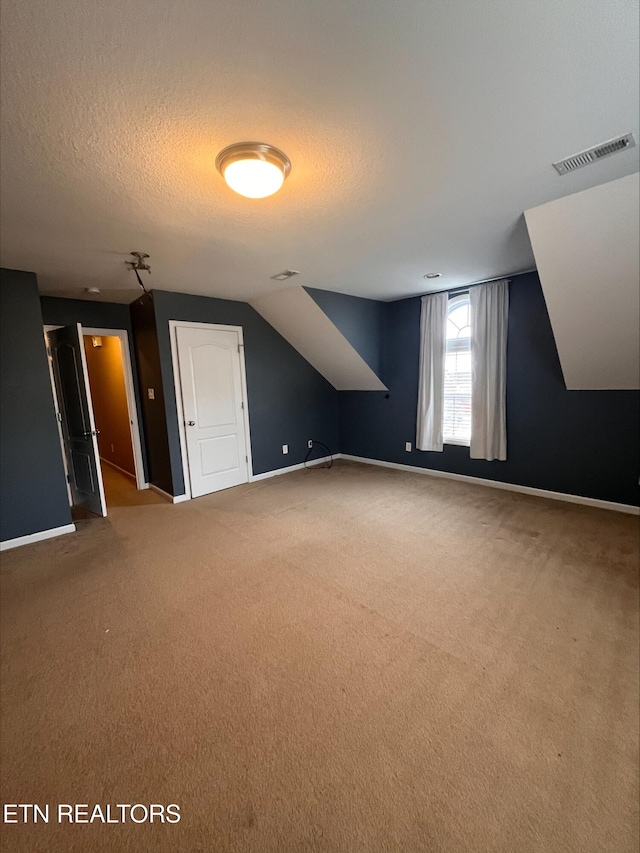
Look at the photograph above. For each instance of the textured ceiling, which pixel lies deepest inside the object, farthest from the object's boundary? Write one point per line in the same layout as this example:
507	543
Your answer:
418	132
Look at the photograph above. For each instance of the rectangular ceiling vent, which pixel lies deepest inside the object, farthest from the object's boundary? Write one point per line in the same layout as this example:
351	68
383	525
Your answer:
283	276
592	155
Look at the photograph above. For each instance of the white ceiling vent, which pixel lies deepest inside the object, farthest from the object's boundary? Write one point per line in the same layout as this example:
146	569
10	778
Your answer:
283	276
592	155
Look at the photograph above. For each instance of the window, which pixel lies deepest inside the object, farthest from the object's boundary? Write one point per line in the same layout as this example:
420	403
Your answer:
457	373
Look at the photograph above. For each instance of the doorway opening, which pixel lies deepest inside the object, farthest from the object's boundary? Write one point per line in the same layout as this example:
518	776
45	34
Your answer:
92	383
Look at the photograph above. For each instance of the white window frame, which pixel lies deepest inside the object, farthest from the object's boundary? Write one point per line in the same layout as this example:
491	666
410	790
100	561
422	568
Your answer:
453	303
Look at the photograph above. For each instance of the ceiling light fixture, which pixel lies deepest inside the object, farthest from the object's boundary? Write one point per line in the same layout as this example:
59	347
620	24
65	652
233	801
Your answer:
432	275
253	169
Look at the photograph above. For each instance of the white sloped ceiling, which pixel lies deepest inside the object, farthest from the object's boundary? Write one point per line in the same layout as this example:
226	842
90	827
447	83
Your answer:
586	248
302	322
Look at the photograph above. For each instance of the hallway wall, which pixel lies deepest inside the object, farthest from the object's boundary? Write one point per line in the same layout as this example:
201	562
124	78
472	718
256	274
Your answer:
109	395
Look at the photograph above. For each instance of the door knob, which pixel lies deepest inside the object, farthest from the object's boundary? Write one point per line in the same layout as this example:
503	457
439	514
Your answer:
191	423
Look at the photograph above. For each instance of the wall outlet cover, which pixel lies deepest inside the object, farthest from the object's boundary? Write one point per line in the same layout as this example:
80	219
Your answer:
310	443
285	449
151	393
407	446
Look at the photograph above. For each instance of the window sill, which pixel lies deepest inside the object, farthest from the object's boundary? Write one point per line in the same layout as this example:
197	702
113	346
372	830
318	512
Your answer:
457	442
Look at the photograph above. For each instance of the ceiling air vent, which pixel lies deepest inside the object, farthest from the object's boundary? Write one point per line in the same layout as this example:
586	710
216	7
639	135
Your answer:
283	276
592	155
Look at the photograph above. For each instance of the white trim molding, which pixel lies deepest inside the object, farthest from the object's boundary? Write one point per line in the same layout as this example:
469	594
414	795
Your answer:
276	472
174	499
496	484
37	537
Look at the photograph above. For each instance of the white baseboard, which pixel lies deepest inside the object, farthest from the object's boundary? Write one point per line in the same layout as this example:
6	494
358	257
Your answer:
278	471
495	484
447	475
174	499
37	537
126	473
118	468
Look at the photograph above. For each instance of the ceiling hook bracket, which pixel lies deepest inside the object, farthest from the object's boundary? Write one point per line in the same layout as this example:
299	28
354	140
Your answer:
139	264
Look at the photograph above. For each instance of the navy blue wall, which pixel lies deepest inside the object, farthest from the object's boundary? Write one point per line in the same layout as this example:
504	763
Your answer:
289	401
33	492
98	315
359	320
101	315
578	442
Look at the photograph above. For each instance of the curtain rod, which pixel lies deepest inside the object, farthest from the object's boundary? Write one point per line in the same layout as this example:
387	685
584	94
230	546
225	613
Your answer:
464	287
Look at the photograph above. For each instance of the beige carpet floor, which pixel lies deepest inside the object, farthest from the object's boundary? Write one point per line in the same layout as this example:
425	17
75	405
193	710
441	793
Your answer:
354	659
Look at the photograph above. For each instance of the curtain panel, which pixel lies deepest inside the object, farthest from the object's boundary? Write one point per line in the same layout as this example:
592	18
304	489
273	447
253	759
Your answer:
489	320
433	321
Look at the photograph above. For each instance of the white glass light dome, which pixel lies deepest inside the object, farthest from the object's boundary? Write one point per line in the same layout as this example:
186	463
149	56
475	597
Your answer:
253	169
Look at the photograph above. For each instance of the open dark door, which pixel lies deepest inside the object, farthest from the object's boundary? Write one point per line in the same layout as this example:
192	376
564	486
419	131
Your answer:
76	418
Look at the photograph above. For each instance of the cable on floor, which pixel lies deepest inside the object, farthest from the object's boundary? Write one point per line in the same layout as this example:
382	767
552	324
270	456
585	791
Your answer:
310	451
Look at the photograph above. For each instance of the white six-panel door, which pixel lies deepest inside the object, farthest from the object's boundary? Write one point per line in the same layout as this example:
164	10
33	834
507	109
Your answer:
212	407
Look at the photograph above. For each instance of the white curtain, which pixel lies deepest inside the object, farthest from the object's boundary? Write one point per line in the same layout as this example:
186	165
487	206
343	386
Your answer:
433	322
489	317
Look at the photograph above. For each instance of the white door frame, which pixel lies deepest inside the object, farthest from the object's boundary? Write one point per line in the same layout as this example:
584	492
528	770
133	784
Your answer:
134	421
173	325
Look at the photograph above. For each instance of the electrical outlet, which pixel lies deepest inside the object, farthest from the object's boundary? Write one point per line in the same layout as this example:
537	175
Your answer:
407	446
151	393
285	449
310	443
113	450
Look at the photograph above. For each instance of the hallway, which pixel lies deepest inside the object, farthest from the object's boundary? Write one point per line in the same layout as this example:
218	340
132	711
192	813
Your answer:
121	491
